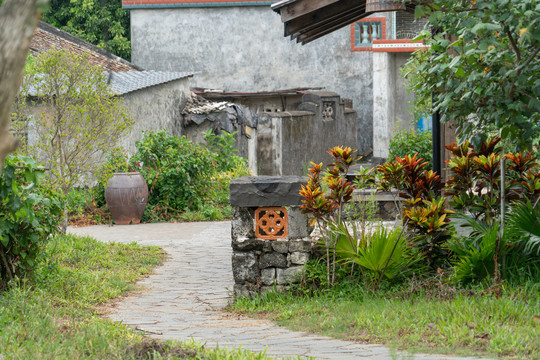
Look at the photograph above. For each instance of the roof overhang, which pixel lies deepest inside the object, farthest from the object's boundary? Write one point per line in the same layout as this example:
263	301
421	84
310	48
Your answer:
308	20
165	4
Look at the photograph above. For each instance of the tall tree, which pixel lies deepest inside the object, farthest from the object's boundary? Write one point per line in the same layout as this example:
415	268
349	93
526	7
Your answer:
483	67
18	19
101	22
75	120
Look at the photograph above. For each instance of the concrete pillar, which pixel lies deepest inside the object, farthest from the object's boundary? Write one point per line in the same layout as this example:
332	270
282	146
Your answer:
277	146
252	151
384	84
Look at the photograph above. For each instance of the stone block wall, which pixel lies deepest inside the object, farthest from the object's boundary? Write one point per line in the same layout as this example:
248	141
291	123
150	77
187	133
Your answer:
258	264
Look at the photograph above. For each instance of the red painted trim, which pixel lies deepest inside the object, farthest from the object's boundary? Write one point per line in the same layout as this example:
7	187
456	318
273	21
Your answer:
397	49
152	2
395	41
368	19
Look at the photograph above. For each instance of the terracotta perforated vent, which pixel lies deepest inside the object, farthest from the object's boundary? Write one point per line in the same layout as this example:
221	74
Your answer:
272	223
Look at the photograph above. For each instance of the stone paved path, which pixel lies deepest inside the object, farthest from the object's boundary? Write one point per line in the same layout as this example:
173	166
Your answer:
184	298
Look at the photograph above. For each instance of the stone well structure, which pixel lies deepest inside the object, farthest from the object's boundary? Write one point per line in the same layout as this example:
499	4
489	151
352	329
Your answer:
270	236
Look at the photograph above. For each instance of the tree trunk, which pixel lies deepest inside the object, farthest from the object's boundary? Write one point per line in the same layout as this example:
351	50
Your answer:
18	20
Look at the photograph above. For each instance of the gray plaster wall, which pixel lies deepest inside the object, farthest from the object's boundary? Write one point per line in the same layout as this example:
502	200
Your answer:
317	136
390	96
243	48
155	108
289	141
403	118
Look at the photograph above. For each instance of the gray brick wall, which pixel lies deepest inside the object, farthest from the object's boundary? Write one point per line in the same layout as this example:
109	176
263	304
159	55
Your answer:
407	27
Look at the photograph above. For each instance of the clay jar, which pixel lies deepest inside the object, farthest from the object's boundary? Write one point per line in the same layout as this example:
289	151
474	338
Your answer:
126	196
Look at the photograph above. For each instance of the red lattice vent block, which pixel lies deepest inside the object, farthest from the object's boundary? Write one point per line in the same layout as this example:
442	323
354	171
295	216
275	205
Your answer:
271	223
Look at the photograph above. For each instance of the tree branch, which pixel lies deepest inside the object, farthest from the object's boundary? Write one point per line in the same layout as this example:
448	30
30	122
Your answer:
531	58
518	60
514	47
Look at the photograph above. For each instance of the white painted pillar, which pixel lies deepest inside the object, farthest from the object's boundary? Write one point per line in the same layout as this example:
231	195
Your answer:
383	101
277	146
252	150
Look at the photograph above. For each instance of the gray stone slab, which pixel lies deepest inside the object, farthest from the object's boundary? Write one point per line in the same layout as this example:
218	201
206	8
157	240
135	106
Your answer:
261	191
273	259
245	267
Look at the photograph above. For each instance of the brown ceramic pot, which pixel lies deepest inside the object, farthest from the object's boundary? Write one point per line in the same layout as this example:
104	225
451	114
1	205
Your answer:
126	195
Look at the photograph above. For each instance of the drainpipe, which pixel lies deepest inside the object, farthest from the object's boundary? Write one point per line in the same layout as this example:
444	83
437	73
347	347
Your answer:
436	134
436	131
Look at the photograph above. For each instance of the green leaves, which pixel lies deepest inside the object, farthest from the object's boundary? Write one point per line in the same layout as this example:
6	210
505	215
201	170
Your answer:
28	216
406	142
475	252
176	170
102	23
525	224
485	27
222	145
483	66
384	252
76	120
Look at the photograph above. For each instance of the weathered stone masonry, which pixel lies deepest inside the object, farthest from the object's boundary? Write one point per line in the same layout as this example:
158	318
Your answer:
261	265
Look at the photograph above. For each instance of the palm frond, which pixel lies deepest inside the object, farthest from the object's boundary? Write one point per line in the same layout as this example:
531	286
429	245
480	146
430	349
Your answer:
524	221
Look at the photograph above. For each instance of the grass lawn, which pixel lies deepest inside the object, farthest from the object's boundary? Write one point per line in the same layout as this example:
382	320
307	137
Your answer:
53	315
433	318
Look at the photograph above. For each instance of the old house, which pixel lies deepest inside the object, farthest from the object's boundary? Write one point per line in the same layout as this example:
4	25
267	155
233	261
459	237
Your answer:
154	99
239	46
279	132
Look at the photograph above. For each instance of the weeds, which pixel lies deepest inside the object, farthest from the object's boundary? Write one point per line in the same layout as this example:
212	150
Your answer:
53	316
419	314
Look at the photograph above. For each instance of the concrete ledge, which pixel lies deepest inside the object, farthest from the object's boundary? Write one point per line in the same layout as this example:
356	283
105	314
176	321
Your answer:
288	114
260	191
364	195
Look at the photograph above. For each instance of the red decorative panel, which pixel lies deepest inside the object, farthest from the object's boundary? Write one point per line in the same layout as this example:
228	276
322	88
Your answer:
271	223
356	36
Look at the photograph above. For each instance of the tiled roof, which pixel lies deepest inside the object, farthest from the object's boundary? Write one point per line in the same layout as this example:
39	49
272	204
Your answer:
47	36
121	83
125	82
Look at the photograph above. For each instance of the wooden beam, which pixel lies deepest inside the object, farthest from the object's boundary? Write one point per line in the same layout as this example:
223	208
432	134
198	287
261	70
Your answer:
326	14
315	34
308	20
311	38
340	21
302	7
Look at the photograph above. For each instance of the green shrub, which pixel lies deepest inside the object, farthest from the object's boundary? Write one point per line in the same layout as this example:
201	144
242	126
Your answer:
475	251
524	221
327	209
219	190
383	252
79	201
176	170
215	206
223	146
424	211
28	216
410	142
